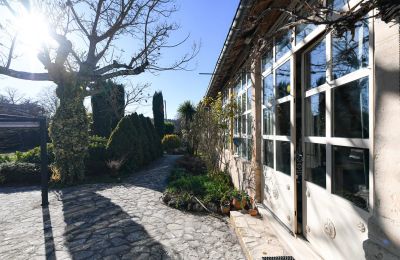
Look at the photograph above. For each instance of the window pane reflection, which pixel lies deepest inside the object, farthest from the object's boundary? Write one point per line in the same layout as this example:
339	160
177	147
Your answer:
268	85
243	124
267	59
316	66
303	30
283	119
249	124
351	174
315	115
269	153
350	52
351	110
249	96
283	80
268	120
283	157
315	164
282	44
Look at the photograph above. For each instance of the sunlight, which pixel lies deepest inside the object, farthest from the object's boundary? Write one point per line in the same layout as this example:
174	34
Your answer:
32	32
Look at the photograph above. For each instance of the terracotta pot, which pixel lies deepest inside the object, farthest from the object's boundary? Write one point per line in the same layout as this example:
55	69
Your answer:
253	212
239	204
225	209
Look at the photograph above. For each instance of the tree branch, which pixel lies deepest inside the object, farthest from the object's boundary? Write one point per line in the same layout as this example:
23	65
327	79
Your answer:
24	75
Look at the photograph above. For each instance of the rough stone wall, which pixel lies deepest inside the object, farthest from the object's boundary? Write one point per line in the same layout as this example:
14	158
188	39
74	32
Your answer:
384	225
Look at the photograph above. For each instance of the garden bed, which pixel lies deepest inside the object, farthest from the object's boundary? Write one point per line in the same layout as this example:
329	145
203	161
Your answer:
192	188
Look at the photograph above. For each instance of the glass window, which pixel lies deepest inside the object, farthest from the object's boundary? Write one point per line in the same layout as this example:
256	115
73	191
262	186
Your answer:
283	80
248	76
351	174
268	120
249	96
303	30
351	110
243	124
315	164
350	52
283	44
337	4
244	103
283	119
267	59
268	89
269	153
244	148
316	66
235	126
315	115
283	157
243	78
249	124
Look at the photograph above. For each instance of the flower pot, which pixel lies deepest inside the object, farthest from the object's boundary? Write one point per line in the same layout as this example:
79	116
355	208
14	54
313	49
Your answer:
225	209
253	212
239	204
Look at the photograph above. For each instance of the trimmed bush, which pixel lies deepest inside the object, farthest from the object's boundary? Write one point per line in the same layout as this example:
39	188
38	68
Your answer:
170	143
95	163
22	173
134	141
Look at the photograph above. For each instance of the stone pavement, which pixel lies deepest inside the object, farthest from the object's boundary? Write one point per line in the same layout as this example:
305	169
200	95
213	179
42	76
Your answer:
256	236
110	221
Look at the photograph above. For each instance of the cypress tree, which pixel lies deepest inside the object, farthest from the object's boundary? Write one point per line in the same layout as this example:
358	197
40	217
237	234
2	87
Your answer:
107	107
158	113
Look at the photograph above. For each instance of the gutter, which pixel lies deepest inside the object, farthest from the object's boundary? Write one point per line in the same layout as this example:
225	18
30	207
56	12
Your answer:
230	38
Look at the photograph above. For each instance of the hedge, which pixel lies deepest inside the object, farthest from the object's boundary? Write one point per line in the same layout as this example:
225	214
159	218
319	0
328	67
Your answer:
134	141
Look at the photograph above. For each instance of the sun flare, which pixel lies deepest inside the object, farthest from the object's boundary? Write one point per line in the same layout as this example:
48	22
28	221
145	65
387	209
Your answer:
32	32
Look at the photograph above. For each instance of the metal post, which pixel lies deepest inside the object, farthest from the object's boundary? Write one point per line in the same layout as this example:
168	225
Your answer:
43	162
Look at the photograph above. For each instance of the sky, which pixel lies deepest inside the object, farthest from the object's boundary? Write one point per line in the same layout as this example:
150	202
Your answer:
207	22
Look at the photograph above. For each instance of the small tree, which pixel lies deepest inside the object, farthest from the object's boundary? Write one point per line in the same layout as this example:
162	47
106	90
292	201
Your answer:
209	130
186	112
158	113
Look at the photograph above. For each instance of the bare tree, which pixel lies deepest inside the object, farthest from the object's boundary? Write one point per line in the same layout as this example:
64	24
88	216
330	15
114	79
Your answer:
88	33
48	100
13	96
136	95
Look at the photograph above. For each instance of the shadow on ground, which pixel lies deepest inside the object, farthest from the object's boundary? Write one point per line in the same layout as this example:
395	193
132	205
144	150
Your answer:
96	228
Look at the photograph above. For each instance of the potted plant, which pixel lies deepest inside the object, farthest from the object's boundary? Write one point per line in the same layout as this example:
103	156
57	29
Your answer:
225	205
239	199
252	208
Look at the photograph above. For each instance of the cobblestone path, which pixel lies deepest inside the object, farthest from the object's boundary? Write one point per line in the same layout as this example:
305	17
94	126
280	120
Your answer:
110	221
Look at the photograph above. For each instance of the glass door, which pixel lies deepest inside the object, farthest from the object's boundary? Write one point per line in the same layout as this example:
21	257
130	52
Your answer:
336	103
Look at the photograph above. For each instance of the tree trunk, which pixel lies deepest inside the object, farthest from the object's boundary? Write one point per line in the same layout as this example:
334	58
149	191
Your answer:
69	133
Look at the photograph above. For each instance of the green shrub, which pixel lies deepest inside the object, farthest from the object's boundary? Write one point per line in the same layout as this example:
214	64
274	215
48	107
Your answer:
156	140
141	136
95	163
5	158
193	165
134	140
171	142
206	187
169	128
33	155
21	173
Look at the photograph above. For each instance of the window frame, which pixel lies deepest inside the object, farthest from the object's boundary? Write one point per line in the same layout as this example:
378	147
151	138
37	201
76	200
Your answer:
328	88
